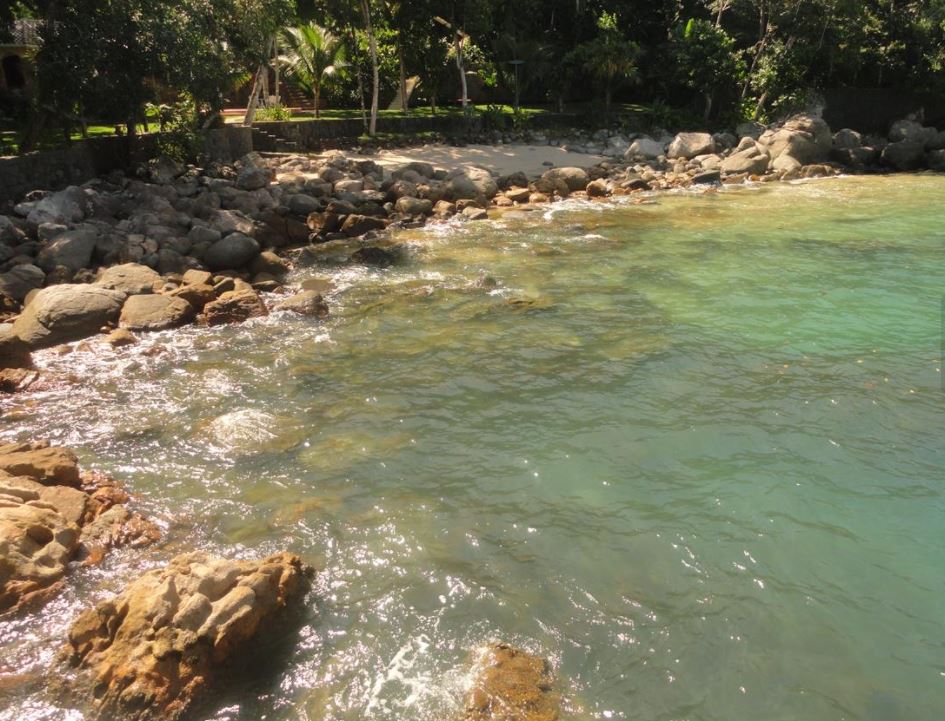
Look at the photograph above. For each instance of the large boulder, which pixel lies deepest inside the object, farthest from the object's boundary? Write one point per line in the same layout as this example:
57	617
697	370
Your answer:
71	248
234	306
752	160
910	131
129	278
64	313
847	139
254	177
904	155
511	685
155	312
689	145
574	178
17	282
470	183
158	648
233	251
62	208
805	138
644	148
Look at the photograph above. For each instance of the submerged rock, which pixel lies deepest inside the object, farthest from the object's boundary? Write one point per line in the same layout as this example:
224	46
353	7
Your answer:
160	646
307	302
234	306
511	685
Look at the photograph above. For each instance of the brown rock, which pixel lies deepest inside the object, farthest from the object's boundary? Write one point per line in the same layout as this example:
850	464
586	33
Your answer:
38	461
120	338
512	685
197	294
197	277
235	306
518	195
357	225
159	647
14	352
155	312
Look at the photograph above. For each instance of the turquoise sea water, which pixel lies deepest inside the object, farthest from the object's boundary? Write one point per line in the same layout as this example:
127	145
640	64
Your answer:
690	451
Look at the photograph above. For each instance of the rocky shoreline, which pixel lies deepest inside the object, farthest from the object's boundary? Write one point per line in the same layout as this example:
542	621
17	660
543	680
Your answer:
123	256
178	245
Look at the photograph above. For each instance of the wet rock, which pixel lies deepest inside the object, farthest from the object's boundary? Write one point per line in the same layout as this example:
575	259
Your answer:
374	256
357	225
14	352
708	177
158	648
308	302
47	465
120	337
36	545
413	206
234	306
689	145
64	313
511	685
472	212
270	263
598	188
129	278
155	312
233	251
518	195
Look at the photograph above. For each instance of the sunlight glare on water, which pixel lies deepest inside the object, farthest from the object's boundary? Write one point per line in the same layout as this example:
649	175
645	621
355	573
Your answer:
691	452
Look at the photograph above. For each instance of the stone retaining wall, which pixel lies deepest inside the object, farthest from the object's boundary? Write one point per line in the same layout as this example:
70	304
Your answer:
84	160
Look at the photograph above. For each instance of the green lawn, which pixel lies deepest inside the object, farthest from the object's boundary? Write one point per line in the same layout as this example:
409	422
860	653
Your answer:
417	112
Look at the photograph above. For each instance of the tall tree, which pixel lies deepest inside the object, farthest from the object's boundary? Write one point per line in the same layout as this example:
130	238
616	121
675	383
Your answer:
312	54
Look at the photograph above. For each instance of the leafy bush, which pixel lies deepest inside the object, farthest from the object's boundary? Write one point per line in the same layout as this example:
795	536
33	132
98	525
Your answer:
179	138
277	113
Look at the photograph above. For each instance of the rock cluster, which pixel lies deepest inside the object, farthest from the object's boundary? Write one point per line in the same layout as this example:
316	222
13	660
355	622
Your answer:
51	515
511	685
154	651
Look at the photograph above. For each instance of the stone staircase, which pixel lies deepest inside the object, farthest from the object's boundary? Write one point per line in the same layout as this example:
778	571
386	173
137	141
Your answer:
269	140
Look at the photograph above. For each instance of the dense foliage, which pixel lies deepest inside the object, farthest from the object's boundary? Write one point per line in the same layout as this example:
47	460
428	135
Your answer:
717	60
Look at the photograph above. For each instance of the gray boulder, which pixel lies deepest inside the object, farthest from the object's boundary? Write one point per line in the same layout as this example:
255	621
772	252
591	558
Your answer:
233	251
9	232
847	138
644	148
470	182
752	160
910	131
163	171
302	204
72	249
749	130
17	282
689	145
904	155
805	138
413	206
253	177
63	208
64	313
574	178
154	312
130	279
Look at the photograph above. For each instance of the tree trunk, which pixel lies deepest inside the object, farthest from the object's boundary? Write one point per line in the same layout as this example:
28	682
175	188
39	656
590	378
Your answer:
403	74
708	107
317	98
607	97
253	97
372	45
458	43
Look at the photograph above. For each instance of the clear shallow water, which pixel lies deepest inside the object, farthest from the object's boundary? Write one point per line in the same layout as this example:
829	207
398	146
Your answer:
692	452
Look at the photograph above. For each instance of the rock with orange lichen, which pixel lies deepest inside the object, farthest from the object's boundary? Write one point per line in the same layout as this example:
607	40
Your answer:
511	685
158	648
45	525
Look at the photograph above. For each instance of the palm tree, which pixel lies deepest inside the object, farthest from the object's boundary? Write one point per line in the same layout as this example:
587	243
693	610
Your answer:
311	55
